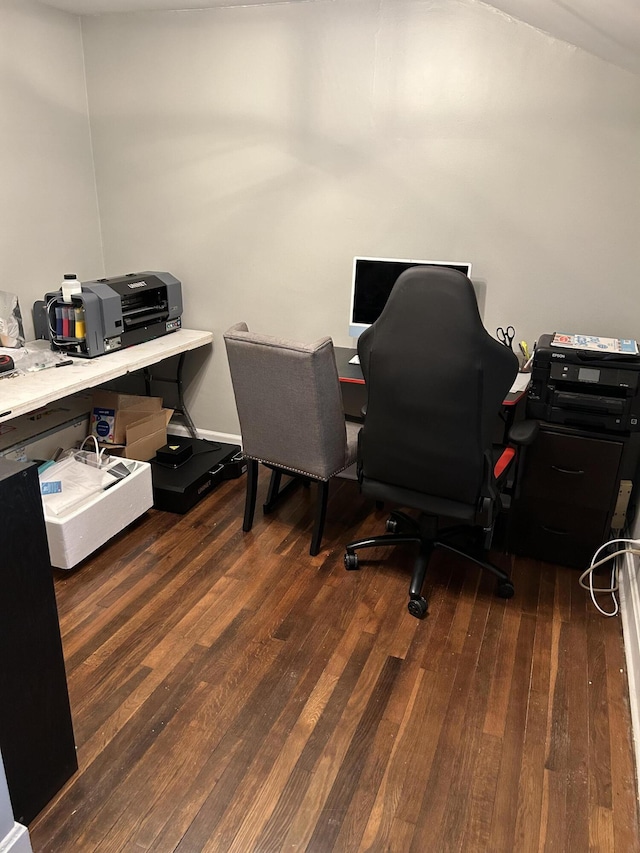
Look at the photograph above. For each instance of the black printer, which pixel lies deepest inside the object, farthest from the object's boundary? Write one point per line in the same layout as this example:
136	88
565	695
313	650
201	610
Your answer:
112	313
585	388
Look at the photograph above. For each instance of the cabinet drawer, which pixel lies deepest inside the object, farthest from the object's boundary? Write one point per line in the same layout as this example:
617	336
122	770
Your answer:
573	469
561	533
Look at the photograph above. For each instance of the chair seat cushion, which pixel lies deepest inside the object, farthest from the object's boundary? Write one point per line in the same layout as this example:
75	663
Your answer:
502	458
418	500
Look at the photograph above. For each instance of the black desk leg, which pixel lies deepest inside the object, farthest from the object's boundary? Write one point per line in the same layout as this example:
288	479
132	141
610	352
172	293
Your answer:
181	408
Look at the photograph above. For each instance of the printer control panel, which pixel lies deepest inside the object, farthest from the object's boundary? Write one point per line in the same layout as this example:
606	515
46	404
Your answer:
594	375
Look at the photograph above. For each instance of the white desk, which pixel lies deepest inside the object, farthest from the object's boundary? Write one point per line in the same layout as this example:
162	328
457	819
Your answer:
20	395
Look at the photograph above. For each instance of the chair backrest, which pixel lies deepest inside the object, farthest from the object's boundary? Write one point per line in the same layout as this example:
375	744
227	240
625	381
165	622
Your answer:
289	402
435	382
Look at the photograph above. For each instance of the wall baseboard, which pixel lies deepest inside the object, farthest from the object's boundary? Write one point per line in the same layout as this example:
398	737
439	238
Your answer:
630	612
16	841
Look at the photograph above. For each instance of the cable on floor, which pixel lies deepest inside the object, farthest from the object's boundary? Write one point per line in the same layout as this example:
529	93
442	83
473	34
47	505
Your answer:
614	585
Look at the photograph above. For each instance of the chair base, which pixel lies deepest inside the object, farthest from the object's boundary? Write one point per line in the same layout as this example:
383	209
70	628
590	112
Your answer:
277	492
403	530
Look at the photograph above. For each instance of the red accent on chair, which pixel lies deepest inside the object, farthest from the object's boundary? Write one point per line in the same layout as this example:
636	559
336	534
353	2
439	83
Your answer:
503	462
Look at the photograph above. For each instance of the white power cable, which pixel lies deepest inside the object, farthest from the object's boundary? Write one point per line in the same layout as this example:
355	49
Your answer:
99	453
595	563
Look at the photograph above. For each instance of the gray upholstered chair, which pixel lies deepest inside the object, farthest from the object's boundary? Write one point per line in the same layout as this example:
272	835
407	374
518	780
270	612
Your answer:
291	417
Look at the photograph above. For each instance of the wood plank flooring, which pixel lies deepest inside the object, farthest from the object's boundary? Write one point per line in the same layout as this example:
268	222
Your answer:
231	693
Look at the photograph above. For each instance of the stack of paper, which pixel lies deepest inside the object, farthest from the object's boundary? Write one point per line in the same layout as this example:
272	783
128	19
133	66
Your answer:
592	342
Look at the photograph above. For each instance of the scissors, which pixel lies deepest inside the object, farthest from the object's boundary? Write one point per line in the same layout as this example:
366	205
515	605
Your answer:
506	336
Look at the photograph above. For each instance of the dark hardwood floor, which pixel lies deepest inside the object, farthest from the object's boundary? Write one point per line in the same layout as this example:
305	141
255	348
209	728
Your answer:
232	693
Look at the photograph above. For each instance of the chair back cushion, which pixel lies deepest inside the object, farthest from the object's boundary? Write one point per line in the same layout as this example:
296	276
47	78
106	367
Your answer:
289	402
435	382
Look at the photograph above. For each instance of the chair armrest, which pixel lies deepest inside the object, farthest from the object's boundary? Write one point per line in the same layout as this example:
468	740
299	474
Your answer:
524	432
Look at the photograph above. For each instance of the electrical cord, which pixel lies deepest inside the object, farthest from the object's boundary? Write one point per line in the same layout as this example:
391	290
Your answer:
99	453
52	331
614	585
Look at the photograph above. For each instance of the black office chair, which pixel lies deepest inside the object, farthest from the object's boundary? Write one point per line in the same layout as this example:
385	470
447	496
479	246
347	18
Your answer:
436	381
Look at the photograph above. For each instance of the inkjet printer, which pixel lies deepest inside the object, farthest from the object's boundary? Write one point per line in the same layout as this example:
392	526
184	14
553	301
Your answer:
585	388
112	313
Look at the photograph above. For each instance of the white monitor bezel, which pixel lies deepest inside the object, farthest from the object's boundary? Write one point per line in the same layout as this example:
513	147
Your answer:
356	329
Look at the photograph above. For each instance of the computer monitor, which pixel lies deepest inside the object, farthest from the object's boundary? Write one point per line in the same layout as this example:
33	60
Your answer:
371	285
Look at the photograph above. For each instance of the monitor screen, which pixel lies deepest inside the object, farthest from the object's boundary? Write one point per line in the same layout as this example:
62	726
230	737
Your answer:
371	285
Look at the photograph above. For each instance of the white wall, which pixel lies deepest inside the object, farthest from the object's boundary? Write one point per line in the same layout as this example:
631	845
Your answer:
6	814
48	215
48	211
14	837
254	151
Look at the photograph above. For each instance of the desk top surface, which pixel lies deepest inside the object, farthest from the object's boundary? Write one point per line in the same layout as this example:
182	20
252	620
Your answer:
352	373
20	395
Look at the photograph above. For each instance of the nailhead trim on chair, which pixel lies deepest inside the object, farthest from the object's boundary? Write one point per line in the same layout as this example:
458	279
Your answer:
297	470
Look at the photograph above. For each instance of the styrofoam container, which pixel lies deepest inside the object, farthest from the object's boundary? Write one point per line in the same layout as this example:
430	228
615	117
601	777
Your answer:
74	536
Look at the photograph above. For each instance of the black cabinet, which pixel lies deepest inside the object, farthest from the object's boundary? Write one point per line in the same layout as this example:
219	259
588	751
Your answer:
568	493
36	734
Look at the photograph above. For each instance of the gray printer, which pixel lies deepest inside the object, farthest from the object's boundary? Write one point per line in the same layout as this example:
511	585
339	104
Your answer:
112	313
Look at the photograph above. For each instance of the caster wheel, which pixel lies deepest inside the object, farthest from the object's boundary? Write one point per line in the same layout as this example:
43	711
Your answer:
505	589
418	607
391	526
351	562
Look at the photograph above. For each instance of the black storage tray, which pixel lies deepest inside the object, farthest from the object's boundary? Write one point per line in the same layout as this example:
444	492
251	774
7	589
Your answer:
179	489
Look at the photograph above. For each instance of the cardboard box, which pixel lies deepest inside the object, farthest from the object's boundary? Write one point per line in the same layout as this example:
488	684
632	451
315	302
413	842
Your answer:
112	412
72	537
130	426
143	437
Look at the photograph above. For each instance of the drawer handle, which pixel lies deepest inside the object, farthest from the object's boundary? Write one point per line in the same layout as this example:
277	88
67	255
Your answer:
554	531
566	470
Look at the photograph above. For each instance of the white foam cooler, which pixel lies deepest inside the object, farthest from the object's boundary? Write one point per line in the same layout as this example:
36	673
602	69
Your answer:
75	535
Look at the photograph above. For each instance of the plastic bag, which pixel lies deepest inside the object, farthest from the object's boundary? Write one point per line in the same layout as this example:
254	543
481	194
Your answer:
78	477
11	331
68	483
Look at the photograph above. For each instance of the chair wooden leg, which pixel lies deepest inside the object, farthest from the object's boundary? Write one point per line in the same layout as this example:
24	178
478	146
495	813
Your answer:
252	491
321	514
